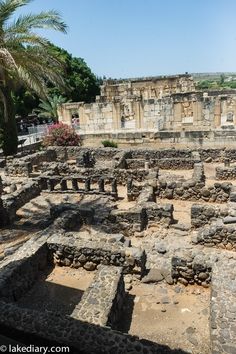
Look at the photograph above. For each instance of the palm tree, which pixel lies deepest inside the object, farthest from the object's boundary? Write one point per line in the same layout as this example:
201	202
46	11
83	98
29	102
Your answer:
49	108
25	58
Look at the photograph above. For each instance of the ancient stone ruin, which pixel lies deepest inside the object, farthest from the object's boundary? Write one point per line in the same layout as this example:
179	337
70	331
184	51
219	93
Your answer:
120	250
155	111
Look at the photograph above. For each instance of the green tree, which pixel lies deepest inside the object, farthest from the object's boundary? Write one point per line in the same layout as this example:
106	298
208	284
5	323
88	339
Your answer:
81	83
25	57
48	108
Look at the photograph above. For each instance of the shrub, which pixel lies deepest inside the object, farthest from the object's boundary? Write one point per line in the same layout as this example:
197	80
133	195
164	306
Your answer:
109	143
61	135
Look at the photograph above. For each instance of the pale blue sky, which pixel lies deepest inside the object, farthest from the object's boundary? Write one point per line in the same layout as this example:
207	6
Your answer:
130	38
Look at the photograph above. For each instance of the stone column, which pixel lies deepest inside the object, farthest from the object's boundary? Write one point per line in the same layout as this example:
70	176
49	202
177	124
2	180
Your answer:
116	115
114	190
75	186
101	185
50	184
137	106
63	184
129	189
87	185
43	183
146	166
217	113
227	162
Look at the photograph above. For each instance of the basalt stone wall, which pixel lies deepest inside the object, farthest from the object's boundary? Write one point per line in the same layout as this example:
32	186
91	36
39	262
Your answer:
192	269
18	276
217	155
75	253
23	166
214	154
102	301
222	236
159	213
224	173
20	197
160	153
204	214
86	338
193	190
165	163
156	213
128	221
121	175
223	308
120	159
19	168
72	152
174	164
212	215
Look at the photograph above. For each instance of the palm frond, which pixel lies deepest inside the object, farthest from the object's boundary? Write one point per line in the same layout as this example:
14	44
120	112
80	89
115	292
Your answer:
8	7
45	19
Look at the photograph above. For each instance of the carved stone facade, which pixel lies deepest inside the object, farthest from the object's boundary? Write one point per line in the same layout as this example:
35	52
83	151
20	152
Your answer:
152	104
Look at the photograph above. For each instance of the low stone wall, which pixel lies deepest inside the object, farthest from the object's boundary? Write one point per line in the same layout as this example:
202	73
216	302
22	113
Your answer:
204	214
159	213
224	173
218	235
215	154
223	309
192	269
72	152
193	190
72	183
86	338
128	221
74	252
160	153
102	301
121	175
19	276
165	164
24	166
14	201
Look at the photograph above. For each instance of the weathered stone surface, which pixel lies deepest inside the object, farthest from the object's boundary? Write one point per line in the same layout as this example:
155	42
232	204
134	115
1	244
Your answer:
103	299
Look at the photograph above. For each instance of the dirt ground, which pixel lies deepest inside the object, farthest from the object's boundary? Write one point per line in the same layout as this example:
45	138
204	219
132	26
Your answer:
58	289
172	315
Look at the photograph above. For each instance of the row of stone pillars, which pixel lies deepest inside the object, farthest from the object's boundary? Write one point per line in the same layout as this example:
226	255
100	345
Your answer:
50	184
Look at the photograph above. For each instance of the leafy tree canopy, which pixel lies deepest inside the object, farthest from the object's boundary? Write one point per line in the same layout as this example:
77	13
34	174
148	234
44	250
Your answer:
80	84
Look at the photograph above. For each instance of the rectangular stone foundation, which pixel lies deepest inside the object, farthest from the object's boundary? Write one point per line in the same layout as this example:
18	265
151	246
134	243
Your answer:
223	308
103	299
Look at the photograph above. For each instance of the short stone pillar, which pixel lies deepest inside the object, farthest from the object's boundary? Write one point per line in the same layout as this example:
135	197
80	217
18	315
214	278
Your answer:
34	168
87	184
63	184
146	165
114	190
227	162
43	183
50	184
129	189
75	186
101	185
129	185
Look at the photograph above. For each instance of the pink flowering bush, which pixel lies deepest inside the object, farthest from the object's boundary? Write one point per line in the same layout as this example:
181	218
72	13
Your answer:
61	135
